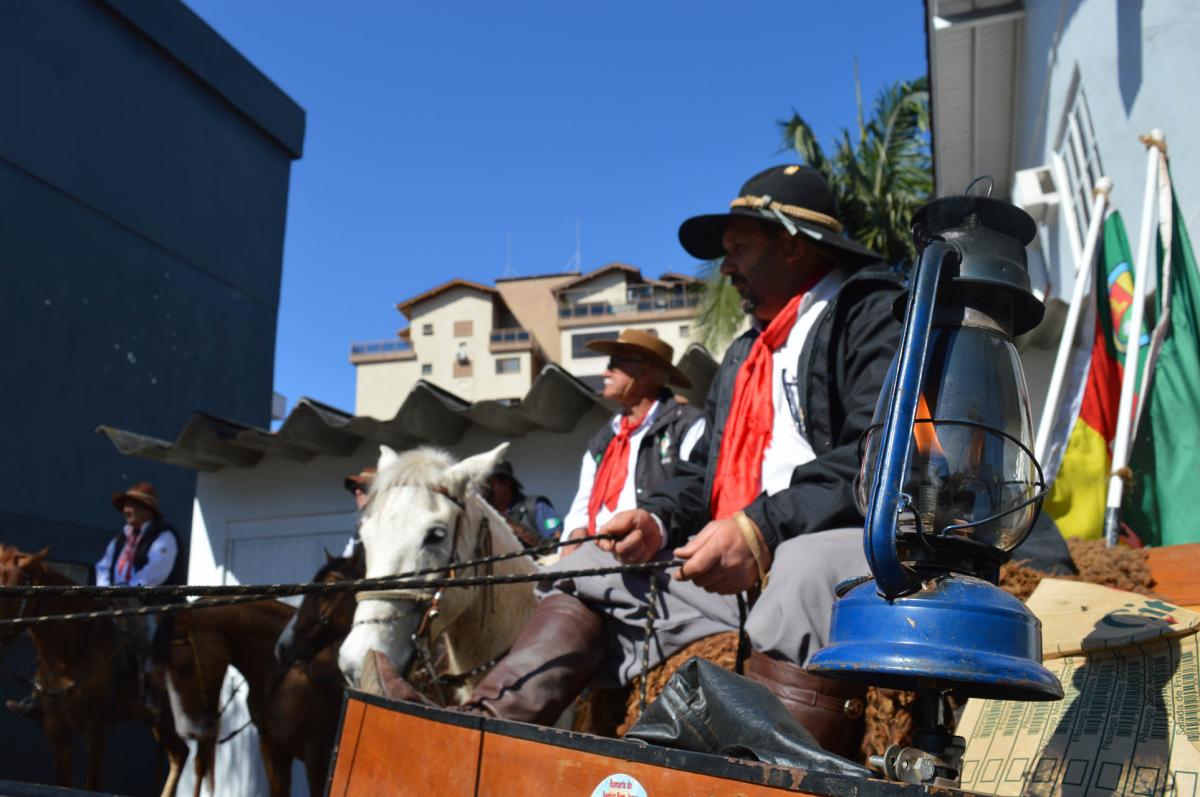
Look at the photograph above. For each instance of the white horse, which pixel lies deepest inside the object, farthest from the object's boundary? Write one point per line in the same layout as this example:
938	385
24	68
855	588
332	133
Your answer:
425	511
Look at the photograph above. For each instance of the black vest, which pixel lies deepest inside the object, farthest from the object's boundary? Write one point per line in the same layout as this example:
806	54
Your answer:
142	552
658	453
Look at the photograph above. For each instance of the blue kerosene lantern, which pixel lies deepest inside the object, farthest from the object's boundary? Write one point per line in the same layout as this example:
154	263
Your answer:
950	487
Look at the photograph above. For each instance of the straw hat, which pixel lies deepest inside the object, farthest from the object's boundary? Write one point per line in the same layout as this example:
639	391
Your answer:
642	345
361	479
142	492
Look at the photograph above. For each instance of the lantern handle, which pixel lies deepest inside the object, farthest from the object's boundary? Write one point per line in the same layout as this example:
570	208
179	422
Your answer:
887	499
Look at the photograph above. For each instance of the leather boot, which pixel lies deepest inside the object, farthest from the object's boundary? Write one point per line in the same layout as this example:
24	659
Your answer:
553	659
830	709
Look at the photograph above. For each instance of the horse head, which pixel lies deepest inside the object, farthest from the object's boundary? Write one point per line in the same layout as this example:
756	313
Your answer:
194	669
323	618
18	568
423	511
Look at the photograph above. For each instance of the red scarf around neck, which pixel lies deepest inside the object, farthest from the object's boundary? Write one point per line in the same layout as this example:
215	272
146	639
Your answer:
738	478
610	476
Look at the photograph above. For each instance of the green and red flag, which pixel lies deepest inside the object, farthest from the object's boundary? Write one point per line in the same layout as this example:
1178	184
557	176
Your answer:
1163	506
1077	496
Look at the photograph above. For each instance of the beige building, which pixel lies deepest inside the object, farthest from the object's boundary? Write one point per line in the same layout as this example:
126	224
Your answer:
484	342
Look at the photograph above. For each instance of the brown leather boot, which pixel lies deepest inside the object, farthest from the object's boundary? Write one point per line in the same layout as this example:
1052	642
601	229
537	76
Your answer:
553	659
831	710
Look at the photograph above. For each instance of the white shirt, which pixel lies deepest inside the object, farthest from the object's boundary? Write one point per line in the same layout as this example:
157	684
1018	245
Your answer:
160	560
788	448
577	516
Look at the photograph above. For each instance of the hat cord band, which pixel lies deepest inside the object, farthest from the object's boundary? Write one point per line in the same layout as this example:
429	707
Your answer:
804	214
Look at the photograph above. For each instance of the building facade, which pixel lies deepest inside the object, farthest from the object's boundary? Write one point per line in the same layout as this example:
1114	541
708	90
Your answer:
484	342
1047	97
144	173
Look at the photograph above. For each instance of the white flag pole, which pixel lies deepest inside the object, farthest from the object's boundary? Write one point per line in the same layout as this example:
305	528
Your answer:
1084	269
1155	143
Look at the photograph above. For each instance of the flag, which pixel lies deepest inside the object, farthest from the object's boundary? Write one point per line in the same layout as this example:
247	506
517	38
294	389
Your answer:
1077	495
1163	505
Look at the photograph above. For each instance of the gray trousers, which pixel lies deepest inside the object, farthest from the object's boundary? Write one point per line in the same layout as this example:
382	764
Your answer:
790	620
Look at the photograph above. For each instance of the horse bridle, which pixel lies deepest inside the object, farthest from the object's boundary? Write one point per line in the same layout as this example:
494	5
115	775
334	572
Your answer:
421	639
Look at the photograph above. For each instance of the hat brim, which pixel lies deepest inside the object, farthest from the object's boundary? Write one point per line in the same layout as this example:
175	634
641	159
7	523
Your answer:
701	237
119	499
675	377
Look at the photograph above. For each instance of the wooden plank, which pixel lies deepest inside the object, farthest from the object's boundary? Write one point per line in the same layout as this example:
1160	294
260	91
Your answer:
519	766
1176	570
347	745
401	754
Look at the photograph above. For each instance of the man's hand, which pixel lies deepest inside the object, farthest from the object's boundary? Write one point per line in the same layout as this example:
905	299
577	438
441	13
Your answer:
641	538
718	559
578	534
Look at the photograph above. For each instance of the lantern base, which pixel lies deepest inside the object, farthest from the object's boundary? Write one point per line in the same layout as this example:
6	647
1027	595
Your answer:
958	633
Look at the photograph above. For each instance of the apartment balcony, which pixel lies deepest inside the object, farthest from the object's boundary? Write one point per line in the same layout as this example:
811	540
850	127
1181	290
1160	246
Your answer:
374	351
640	302
509	339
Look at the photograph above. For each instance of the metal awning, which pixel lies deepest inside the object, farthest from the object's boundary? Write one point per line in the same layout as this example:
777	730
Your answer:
430	415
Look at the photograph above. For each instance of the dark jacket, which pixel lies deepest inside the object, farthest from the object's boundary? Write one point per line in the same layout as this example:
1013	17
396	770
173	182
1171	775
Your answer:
141	553
842	367
537	513
658	455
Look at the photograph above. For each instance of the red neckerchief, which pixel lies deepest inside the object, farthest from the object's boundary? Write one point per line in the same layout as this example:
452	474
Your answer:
738	478
610	476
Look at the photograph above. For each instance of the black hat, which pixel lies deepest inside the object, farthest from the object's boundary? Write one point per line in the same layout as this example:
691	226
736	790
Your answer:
794	197
504	468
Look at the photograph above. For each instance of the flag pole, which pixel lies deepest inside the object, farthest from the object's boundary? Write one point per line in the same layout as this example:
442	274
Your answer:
1084	270
1155	144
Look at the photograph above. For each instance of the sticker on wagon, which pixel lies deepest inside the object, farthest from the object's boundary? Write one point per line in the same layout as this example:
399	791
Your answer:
619	786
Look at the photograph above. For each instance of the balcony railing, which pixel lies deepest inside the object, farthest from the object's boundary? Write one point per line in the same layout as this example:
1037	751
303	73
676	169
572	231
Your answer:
373	347
510	335
638	302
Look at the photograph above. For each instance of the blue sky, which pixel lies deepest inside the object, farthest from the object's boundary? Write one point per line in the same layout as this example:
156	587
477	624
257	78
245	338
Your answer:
437	131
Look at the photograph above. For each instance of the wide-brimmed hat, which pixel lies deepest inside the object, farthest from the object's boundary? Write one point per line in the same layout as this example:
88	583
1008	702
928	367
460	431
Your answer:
142	492
794	197
640	344
361	479
504	468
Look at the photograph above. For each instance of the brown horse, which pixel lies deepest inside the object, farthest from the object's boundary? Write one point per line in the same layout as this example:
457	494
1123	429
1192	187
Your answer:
295	708
84	681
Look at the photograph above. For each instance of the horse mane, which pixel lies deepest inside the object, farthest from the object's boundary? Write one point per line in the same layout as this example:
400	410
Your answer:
419	467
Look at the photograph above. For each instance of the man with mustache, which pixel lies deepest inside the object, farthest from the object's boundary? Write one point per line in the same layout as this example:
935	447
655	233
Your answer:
769	486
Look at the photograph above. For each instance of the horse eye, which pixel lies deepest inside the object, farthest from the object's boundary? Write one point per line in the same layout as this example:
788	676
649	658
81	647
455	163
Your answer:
435	535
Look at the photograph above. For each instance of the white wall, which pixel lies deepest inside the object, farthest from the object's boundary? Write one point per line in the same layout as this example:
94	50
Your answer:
269	524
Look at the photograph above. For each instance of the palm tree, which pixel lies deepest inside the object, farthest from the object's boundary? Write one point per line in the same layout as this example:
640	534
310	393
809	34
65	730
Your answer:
880	177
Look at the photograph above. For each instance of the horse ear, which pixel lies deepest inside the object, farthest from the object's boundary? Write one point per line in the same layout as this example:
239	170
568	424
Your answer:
32	559
329	558
471	472
387	457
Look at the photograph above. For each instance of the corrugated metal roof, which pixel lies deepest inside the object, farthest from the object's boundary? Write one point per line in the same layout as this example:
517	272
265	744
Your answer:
430	415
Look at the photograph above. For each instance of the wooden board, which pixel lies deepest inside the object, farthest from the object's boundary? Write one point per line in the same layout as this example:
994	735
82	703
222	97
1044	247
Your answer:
1176	570
396	748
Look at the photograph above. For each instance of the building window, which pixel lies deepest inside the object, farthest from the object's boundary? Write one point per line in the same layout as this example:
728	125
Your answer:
579	343
464	329
426	369
684	330
462	370
426	329
508	365
1076	151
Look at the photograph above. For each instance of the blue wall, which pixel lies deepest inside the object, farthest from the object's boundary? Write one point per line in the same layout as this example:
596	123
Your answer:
144	170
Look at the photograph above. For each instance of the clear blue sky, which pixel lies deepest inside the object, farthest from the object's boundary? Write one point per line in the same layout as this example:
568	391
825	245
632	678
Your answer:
436	130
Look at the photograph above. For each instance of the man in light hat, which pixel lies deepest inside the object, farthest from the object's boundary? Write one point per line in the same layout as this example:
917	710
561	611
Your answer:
145	552
641	446
358	485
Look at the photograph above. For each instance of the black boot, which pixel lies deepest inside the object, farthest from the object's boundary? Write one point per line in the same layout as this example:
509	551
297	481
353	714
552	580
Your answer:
553	659
830	709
